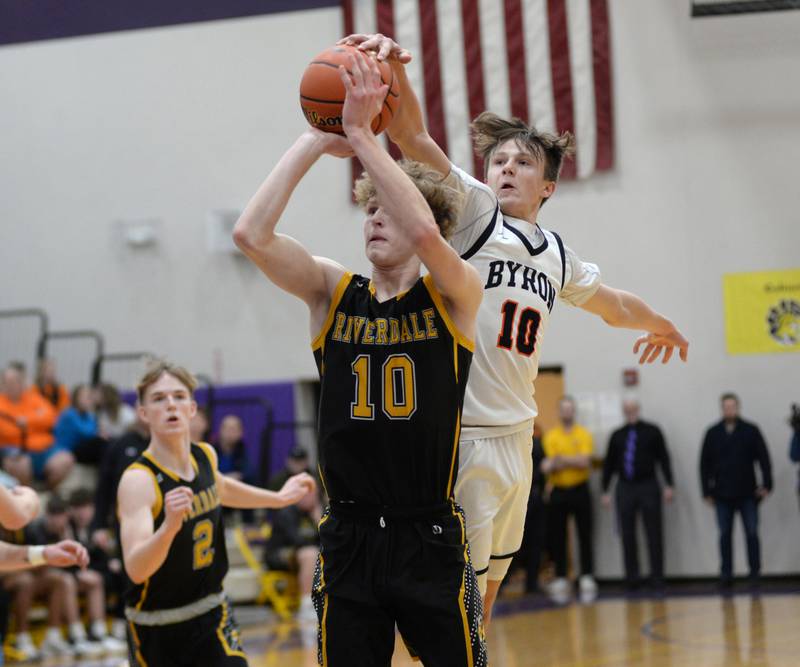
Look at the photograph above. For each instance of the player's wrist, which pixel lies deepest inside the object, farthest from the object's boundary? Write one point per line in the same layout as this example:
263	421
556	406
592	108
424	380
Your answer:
36	556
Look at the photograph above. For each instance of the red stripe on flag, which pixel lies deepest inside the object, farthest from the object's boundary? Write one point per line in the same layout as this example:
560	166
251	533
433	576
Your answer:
432	73
473	61
602	85
515	55
561	75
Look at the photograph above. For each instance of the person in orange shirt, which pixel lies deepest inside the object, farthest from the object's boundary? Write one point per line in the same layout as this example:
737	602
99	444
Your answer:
26	438
48	385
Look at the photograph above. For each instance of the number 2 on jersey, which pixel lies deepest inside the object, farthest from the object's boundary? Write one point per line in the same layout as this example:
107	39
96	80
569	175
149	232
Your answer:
527	328
398	387
203	536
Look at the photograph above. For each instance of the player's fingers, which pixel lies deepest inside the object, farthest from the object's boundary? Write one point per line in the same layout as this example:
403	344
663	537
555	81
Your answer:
668	354
639	342
684	352
355	38
654	354
647	351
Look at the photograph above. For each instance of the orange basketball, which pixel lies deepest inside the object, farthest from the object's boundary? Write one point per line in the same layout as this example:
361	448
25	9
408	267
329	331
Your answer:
322	91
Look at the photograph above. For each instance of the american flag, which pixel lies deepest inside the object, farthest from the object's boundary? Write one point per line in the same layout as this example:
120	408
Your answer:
545	61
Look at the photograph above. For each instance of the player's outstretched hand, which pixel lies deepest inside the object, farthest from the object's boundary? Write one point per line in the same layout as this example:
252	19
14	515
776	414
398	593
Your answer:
365	92
66	554
332	144
177	503
667	342
296	487
384	47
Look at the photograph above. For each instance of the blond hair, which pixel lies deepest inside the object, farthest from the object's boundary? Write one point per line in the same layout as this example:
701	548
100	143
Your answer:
443	200
490	131
155	371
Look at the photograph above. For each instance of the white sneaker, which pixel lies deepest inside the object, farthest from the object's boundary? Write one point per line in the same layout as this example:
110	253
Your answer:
119	630
23	649
559	591
86	648
588	589
55	646
113	646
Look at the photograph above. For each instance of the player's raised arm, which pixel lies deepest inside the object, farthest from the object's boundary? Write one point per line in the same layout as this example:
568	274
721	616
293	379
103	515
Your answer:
281	258
145	550
407	128
235	493
623	309
458	282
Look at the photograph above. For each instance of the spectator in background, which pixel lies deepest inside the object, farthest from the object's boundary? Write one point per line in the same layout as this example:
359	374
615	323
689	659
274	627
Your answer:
633	453
529	555
55	525
567	463
76	430
36	457
294	545
731	448
231	451
200	426
58	586
49	386
794	443
107	564
114	417
118	456
296	462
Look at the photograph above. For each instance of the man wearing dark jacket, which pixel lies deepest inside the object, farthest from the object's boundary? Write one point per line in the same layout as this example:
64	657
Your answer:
731	449
633	453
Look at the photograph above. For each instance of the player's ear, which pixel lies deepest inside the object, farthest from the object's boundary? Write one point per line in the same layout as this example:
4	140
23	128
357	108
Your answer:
142	413
548	189
193	408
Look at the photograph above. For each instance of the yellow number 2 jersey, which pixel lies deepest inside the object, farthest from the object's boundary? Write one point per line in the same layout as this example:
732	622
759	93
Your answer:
393	376
197	560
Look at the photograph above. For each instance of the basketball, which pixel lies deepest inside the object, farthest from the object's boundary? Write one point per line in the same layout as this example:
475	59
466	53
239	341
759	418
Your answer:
322	91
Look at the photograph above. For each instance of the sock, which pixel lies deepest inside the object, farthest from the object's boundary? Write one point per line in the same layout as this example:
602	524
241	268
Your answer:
77	631
98	629
53	633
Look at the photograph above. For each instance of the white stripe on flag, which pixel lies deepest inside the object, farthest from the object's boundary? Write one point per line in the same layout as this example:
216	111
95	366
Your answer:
493	51
454	82
580	51
537	66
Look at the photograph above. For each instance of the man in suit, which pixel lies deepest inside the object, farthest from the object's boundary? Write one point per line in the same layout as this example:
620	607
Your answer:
633	453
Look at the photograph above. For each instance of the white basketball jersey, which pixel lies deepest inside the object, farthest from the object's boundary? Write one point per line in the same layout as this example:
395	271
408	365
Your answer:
524	269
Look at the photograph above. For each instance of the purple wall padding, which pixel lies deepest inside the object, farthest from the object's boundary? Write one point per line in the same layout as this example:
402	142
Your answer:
32	20
279	396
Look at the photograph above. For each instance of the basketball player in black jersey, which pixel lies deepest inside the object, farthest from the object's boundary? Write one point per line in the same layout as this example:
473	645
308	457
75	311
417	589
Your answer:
393	354
173	541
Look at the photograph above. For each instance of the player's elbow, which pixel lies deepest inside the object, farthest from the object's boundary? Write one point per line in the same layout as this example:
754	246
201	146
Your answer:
243	235
136	574
15	520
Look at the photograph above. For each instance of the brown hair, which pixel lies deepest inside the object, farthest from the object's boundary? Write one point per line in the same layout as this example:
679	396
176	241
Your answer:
490	131
444	200
157	370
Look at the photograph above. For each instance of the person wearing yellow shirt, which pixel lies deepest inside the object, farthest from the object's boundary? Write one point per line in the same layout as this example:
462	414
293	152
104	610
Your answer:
567	464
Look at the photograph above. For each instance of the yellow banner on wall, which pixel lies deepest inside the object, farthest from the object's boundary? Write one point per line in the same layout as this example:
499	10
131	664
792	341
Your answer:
762	311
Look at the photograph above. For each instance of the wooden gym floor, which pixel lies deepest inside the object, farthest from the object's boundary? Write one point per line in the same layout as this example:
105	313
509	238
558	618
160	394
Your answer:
679	630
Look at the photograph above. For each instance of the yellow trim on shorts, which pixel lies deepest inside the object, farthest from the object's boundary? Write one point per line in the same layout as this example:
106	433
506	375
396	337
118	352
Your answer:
156	508
336	297
462	339
137	645
449	493
461	606
221	634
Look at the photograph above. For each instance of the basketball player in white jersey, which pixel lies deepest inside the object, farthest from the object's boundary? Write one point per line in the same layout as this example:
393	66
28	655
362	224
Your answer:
523	268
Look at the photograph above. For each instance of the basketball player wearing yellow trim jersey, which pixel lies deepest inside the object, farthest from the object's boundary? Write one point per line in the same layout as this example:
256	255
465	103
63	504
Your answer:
173	542
393	354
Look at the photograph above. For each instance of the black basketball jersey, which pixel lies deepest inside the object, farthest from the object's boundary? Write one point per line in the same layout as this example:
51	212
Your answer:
197	560
393	375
